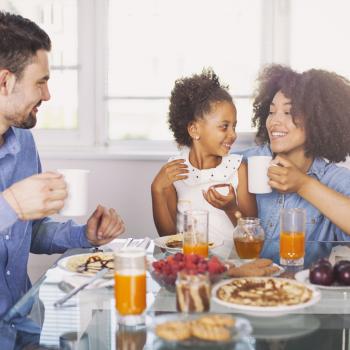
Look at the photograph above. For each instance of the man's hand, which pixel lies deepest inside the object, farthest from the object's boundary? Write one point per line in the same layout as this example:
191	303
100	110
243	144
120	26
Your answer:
103	226
37	196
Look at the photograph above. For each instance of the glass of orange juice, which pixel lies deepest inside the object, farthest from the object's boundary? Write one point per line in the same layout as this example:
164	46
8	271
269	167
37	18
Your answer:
292	236
130	285
195	239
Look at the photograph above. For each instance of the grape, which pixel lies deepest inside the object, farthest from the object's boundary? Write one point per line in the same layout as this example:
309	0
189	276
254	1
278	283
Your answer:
322	274
338	266
322	262
343	276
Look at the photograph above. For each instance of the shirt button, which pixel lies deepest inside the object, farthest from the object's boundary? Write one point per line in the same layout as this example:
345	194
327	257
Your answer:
7	237
8	273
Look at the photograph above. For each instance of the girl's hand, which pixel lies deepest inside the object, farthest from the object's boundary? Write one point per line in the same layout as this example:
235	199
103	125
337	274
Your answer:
219	201
285	177
168	174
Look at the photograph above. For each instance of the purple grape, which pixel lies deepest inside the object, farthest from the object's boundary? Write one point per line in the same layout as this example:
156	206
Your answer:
322	262
338	266
322	274
343	276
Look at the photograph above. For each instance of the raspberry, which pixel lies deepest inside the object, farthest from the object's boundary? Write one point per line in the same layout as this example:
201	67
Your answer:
178	257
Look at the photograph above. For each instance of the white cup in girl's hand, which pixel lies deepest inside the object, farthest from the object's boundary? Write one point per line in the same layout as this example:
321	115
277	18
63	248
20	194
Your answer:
77	184
257	174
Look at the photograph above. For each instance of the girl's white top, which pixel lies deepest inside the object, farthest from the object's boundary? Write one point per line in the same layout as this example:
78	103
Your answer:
190	196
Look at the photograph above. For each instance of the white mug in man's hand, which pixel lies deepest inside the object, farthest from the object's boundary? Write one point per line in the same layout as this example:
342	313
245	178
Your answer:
77	185
257	174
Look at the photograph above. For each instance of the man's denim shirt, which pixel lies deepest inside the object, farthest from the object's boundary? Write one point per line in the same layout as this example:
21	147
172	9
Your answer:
18	160
318	227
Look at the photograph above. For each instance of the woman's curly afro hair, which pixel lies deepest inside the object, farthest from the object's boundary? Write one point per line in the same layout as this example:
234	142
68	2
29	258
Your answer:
321	99
190	99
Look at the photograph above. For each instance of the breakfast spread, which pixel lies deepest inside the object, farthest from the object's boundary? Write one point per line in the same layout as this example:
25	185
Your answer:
90	263
264	292
208	328
256	268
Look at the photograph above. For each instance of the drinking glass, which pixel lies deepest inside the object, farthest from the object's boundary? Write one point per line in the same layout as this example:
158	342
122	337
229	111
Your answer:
292	237
196	232
130	285
192	292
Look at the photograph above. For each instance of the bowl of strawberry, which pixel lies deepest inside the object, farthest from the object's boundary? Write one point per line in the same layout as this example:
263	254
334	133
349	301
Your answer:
165	271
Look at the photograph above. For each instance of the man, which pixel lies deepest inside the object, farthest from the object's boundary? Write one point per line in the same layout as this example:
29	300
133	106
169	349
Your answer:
28	196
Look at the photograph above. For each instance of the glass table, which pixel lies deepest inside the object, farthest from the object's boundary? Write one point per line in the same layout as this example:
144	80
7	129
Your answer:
89	320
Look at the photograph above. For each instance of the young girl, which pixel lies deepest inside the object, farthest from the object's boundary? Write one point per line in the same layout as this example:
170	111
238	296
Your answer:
202	117
303	120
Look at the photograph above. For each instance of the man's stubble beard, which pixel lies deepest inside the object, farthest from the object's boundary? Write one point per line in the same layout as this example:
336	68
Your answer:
27	123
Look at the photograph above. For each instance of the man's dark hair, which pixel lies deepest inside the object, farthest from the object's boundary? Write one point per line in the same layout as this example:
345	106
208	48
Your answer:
20	39
320	100
190	99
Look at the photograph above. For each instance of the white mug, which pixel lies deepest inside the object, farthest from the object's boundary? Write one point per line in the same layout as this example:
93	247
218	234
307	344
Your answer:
77	183
257	174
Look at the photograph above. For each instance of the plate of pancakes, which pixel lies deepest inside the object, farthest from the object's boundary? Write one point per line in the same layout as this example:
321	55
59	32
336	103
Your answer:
88	264
265	296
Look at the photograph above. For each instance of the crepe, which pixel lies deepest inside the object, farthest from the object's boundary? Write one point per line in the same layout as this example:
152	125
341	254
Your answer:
264	292
90	264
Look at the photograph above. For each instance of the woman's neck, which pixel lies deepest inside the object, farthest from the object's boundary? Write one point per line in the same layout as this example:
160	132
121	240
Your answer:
203	161
299	159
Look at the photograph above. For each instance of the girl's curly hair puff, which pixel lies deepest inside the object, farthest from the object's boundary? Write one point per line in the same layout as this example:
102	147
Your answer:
191	98
321	99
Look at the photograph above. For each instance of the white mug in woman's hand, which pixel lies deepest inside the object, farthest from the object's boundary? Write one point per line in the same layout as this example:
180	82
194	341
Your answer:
258	181
77	184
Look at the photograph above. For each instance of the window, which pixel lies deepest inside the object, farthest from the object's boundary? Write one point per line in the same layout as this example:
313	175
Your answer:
114	62
324	43
152	43
58	19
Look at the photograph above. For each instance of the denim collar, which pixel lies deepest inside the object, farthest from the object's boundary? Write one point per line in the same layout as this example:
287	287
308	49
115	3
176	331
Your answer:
11	145
318	166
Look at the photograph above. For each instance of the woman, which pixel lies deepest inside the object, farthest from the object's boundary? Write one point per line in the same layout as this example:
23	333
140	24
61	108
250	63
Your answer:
303	121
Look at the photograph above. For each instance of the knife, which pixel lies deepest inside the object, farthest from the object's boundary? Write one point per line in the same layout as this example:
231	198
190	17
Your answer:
98	275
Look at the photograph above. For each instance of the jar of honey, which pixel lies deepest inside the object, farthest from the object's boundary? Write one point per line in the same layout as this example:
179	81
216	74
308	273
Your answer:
248	238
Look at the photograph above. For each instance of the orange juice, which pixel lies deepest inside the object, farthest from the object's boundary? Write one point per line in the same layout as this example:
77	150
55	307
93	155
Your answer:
292	245
199	249
130	293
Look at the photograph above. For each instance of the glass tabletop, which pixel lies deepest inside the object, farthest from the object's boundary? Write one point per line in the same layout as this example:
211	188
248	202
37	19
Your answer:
89	320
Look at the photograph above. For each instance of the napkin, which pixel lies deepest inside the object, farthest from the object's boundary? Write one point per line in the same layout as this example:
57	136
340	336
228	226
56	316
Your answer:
117	243
77	280
340	252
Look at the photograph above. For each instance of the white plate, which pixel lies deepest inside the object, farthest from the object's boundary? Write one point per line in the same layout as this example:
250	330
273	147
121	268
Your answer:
239	262
161	243
241	329
266	311
303	276
63	264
